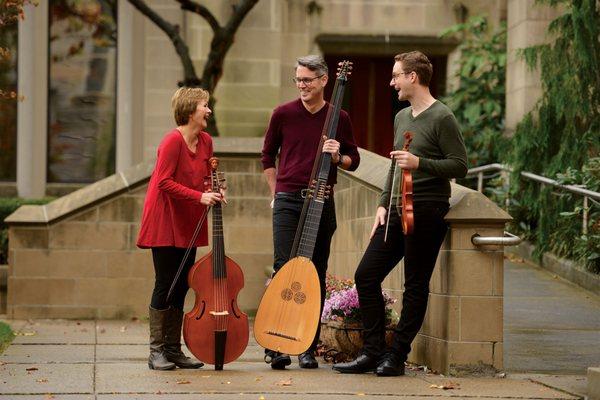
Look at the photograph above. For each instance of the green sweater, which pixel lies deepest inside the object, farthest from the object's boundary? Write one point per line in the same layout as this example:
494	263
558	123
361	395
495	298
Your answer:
438	143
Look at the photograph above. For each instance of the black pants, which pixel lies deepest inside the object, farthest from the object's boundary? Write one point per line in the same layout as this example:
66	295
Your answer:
286	215
420	251
166	262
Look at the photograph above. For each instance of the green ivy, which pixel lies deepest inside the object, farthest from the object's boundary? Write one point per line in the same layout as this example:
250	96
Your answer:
479	98
560	138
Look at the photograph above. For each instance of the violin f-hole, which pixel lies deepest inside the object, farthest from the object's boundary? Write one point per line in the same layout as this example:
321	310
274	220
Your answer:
233	309
202	312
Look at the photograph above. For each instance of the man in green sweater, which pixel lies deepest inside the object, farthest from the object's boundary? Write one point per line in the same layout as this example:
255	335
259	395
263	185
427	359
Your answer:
437	154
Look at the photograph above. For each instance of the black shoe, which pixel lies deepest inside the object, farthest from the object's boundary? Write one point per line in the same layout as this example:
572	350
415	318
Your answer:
363	363
277	360
390	365
307	360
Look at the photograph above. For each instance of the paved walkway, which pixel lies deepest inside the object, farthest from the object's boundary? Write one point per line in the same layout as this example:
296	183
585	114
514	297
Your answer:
57	359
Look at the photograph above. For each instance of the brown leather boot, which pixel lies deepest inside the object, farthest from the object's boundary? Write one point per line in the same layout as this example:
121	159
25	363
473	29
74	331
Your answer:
158	359
173	341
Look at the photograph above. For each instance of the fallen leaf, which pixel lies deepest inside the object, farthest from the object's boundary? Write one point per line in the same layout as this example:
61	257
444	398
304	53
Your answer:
205	376
258	379
31	369
2	363
287	382
360	394
49	396
446	386
123	328
25	333
183	382
42	380
261	398
102	330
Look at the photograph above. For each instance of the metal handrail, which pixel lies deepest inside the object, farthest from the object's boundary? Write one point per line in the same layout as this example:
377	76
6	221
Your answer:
576	189
507	240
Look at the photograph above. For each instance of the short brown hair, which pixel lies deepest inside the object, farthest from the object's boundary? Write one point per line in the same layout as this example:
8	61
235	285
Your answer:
418	62
184	103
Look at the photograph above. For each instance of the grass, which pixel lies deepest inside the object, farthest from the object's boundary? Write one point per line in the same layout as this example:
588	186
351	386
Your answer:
6	336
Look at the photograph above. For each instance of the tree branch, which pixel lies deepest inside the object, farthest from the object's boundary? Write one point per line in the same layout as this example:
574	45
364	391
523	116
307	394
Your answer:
172	31
221	42
201	10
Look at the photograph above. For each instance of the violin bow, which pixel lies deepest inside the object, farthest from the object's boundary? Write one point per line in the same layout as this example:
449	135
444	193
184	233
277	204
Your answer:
187	252
387	223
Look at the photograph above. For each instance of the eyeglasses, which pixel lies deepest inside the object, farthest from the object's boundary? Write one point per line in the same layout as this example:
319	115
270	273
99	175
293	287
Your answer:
306	81
396	76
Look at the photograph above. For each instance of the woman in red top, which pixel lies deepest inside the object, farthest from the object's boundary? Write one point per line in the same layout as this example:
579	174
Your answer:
173	206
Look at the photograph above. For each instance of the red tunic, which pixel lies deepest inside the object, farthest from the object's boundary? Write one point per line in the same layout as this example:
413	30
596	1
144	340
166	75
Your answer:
172	207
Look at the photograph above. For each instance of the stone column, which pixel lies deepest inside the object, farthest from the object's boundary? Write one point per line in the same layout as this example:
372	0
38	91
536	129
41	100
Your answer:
32	114
125	74
527	25
463	331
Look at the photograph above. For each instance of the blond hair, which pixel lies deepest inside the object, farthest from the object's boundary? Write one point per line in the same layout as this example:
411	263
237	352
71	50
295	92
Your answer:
184	103
418	62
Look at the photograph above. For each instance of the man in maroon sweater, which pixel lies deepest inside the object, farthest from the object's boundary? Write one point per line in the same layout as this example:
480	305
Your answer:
295	132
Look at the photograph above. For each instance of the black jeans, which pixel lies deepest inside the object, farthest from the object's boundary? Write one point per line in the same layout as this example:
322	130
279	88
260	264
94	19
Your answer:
420	251
166	262
286	215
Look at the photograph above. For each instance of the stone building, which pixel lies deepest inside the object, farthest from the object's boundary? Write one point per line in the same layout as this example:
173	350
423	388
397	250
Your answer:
119	80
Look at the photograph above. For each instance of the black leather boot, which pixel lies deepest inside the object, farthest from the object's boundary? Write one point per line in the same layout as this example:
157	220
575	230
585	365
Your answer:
173	341
363	363
158	359
391	365
277	360
308	360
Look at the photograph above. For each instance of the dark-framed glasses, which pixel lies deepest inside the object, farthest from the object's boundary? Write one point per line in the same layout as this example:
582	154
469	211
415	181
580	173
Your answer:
306	81
397	75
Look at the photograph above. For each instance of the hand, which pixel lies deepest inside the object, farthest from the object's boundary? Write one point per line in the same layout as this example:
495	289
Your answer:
210	198
405	160
332	146
379	220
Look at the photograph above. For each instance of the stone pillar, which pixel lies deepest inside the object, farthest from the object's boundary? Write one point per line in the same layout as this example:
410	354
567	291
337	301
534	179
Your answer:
32	114
125	74
527	25
130	84
462	331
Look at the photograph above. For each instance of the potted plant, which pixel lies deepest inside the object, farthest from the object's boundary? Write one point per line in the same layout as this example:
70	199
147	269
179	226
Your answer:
341	324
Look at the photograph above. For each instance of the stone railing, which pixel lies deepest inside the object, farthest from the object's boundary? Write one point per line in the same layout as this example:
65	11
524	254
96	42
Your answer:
76	257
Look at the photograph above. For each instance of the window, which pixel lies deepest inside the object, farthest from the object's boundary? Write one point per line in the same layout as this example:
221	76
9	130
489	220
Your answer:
8	105
82	90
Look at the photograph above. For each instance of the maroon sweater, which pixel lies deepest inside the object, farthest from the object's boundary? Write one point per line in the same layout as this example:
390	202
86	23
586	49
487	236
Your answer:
295	133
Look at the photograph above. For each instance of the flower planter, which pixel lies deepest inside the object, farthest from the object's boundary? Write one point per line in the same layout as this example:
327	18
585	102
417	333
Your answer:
347	337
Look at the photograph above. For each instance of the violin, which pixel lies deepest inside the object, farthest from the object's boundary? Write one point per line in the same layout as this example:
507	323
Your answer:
405	193
215	330
404	205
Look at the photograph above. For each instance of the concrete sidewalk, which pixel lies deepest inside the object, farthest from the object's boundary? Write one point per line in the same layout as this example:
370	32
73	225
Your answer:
58	359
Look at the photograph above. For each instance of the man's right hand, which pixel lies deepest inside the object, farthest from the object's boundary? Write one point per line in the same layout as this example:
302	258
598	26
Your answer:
379	220
210	198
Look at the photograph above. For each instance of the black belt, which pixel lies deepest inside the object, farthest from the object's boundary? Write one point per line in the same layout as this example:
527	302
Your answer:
300	194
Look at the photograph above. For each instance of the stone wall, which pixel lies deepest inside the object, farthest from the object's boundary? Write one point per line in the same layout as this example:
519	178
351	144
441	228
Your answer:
76	257
463	326
259	66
